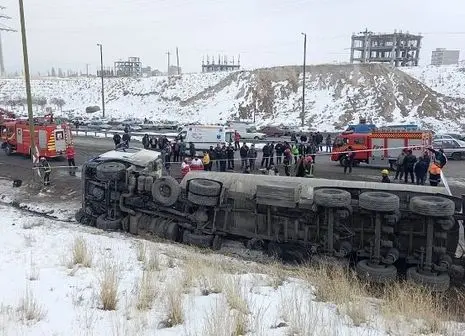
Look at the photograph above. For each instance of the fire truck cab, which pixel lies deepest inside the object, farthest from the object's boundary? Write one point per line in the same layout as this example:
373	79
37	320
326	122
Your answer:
380	147
51	140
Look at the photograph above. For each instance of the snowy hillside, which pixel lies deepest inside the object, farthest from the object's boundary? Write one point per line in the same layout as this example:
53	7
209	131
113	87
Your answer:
335	96
448	80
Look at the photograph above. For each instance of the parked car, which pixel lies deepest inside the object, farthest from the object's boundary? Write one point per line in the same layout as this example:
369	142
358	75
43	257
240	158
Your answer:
272	131
98	125
251	133
453	148
131	127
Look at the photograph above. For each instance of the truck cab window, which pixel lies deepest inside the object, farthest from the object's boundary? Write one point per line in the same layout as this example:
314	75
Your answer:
359	141
338	142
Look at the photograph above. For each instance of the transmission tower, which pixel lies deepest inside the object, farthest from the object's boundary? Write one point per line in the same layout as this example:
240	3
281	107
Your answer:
7	29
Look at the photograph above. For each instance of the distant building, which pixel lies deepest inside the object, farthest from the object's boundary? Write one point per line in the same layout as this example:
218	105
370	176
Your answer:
174	70
130	68
221	65
397	49
442	56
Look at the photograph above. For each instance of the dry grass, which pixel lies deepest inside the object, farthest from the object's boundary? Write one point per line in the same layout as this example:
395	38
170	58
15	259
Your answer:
80	253
201	274
218	320
153	260
298	310
29	309
146	291
236	294
405	301
33	272
108	289
174	306
141	251
277	275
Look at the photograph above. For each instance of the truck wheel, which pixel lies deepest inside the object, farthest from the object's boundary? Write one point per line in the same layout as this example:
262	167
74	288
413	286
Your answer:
274	250
172	232
434	206
204	187
108	224
110	171
456	156
8	149
376	273
379	201
79	215
342	160
202	200
217	242
256	138
332	198
166	190
435	282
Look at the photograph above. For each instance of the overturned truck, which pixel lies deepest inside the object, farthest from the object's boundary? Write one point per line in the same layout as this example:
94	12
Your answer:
385	228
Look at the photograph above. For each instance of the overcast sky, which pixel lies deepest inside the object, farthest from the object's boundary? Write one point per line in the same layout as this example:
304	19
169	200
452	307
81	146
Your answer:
64	33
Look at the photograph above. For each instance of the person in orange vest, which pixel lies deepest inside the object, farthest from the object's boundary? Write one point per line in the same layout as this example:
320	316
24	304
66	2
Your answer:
185	167
435	174
70	153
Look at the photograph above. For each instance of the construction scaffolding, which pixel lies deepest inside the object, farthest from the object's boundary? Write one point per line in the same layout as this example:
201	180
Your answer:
223	64
130	68
398	49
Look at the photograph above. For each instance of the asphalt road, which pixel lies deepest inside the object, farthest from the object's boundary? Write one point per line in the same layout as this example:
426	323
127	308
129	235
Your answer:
20	167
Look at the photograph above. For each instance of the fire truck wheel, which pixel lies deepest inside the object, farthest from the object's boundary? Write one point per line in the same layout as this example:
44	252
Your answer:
108	224
166	190
434	206
332	198
110	171
8	150
379	201
342	160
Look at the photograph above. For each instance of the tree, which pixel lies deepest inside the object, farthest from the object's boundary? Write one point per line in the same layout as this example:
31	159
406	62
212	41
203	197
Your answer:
41	101
59	102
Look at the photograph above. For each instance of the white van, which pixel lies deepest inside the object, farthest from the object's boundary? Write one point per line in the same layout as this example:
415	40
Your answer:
204	136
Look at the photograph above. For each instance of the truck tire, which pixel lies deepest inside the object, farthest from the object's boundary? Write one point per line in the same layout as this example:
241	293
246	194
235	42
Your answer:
434	206
166	190
342	160
202	200
332	198
204	187
106	224
435	282
172	232
376	273
379	201
446	223
79	215
201	240
217	243
110	171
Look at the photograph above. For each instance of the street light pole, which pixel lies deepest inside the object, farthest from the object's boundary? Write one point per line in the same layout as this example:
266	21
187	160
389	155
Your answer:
28	82
302	118
101	75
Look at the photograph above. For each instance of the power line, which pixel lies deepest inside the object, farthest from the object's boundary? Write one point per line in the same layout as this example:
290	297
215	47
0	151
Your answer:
3	27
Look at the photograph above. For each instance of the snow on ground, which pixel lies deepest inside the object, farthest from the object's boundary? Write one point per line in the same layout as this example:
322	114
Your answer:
43	293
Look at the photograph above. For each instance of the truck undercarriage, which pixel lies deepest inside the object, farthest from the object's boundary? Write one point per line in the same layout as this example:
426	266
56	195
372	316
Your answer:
380	227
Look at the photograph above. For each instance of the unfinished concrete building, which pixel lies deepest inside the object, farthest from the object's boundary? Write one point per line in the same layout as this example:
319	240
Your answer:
398	49
130	68
222	64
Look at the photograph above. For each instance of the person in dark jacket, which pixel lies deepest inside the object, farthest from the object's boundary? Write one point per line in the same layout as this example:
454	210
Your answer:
439	157
328	143
287	161
46	170
271	154
409	163
400	166
176	151
319	141
117	139
145	141
126	139
230	155
192	149
421	169
266	155
349	161
222	158
279	149
243	153
217	155
252	156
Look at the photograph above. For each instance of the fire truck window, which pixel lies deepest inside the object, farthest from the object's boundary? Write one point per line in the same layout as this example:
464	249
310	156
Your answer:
359	141
338	142
10	131
59	135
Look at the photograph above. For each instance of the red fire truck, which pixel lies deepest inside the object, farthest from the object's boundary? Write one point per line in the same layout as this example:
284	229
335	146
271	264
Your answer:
380	147
51	139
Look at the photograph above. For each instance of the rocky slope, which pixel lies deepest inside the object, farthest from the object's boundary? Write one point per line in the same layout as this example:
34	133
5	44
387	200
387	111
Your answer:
335	96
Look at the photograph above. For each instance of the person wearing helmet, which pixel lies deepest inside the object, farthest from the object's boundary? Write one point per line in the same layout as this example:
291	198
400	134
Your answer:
46	170
385	176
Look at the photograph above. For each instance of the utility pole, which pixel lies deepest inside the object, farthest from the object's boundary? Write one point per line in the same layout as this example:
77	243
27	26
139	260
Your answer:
101	75
28	81
177	61
7	29
87	70
168	53
303	82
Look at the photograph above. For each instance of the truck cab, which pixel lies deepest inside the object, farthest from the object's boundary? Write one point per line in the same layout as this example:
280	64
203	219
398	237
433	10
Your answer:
358	142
